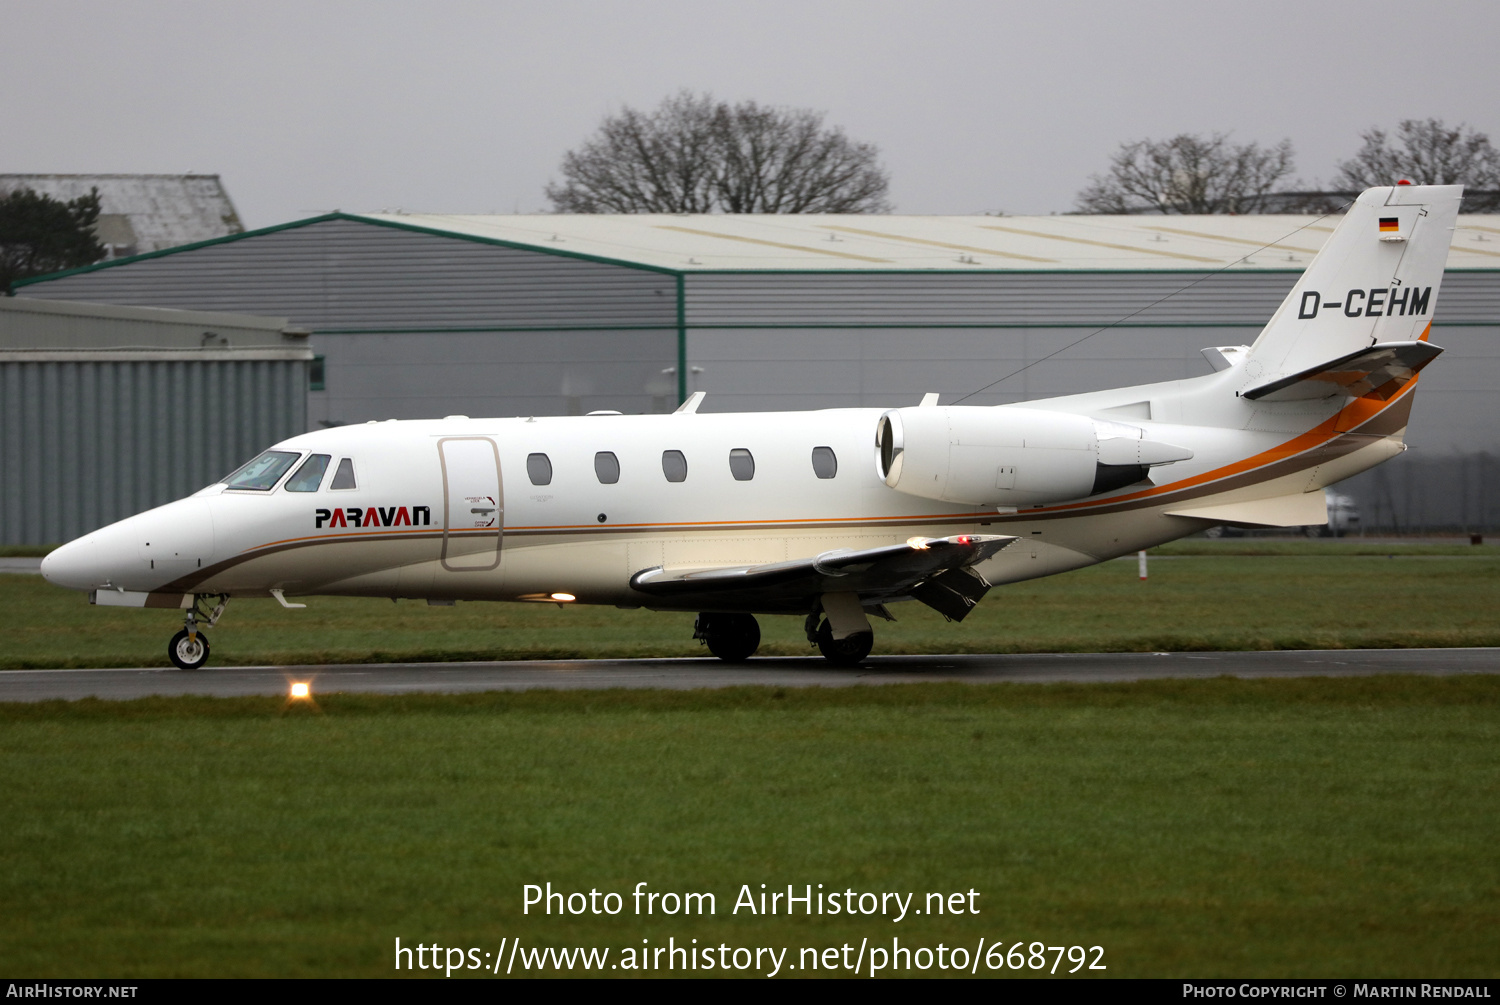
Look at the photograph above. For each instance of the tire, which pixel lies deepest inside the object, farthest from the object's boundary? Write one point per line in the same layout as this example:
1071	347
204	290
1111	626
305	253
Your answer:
733	638
186	654
846	652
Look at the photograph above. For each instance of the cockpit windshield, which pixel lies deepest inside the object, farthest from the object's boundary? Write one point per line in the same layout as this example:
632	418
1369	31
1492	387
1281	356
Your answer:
262	474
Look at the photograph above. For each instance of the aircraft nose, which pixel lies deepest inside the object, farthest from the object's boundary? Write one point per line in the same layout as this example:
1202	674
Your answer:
75	565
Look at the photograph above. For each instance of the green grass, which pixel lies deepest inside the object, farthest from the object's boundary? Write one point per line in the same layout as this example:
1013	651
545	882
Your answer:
1317	596
1312	827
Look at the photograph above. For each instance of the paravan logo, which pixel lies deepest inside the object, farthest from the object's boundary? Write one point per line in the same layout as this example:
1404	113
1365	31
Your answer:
375	516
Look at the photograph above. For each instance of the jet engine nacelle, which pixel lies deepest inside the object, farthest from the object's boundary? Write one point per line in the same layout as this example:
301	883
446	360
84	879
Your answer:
1009	456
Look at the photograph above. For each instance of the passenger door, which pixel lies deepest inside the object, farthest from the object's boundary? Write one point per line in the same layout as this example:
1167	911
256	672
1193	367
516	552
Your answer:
473	503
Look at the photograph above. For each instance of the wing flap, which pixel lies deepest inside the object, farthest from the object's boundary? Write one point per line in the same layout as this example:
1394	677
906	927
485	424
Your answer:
874	573
1379	369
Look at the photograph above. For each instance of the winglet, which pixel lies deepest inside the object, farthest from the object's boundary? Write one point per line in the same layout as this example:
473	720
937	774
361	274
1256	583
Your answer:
691	405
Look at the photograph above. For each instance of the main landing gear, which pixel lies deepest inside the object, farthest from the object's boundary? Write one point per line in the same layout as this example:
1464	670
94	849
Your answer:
731	637
845	652
734	638
188	649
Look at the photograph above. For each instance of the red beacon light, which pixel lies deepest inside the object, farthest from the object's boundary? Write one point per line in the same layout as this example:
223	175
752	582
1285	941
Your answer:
1403	181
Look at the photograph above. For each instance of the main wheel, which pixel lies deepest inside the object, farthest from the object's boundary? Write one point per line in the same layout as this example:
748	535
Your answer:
845	652
188	653
731	637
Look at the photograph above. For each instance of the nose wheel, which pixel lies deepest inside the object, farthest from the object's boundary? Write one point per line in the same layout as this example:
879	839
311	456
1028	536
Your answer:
188	650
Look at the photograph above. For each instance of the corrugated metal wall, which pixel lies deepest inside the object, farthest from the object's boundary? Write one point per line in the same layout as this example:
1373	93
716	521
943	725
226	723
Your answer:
417	326
342	274
88	442
390	375
1027	298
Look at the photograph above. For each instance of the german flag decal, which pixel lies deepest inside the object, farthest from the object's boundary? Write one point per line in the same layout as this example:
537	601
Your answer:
1389	224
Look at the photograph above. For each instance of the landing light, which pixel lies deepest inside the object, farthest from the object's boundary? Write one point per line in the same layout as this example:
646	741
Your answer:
300	689
563	598
919	543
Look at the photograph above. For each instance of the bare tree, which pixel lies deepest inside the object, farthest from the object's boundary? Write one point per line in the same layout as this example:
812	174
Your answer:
695	155
1188	174
1427	152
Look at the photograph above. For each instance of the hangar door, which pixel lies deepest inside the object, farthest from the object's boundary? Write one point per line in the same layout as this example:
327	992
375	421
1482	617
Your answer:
473	503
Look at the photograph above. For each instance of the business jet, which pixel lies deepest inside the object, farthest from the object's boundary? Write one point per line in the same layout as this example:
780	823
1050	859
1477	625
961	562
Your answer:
834	516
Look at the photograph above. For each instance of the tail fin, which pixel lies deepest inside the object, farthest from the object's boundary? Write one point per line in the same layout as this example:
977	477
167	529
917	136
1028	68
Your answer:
1375	281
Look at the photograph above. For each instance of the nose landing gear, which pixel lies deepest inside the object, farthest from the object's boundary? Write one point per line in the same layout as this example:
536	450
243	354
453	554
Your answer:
188	649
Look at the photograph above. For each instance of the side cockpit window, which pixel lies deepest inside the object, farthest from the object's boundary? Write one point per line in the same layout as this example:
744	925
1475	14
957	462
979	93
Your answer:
309	476
343	478
262	474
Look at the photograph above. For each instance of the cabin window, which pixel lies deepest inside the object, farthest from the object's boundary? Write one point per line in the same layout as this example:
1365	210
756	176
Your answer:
539	469
741	464
343	478
674	465
825	462
262	474
607	467
310	475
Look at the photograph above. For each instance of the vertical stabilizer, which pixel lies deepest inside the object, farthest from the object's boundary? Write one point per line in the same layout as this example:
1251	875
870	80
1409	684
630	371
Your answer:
1376	280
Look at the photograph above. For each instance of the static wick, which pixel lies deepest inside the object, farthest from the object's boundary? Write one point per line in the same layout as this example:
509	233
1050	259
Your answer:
1141	559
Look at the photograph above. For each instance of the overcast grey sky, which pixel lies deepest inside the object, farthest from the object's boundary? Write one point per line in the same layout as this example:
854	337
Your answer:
467	107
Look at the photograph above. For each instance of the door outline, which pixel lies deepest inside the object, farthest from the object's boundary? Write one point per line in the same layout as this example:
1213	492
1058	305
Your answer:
447	508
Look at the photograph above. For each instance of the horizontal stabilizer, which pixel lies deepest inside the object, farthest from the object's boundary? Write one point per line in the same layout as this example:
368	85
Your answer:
1301	510
1380	369
873	573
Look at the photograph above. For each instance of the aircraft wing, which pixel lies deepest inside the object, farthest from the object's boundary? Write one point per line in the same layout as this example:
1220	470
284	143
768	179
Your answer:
1382	369
933	570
